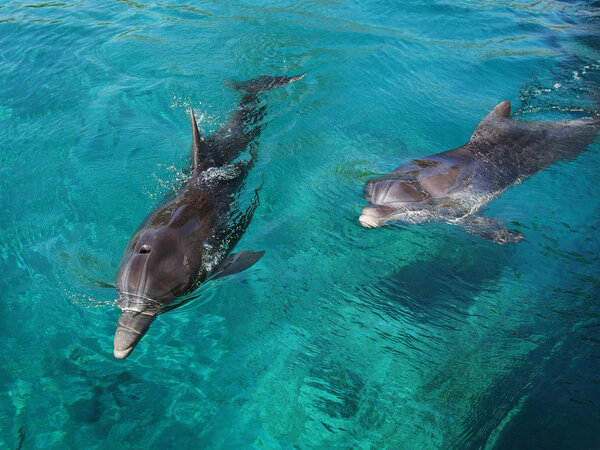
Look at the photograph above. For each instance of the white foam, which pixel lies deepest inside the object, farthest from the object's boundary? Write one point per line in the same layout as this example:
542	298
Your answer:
228	172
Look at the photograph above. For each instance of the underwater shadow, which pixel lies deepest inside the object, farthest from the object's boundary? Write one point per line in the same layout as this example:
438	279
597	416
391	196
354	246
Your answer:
444	286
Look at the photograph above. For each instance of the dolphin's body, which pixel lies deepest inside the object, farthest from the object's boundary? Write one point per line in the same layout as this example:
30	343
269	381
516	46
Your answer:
188	240
454	185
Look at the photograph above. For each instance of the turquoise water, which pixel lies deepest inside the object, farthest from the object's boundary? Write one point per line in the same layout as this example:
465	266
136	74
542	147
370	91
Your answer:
402	337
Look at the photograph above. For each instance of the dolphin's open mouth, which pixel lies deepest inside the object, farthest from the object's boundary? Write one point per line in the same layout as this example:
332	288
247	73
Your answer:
369	221
375	216
132	326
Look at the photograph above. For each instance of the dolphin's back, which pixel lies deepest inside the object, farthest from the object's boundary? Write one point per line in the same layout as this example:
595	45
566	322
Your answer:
512	149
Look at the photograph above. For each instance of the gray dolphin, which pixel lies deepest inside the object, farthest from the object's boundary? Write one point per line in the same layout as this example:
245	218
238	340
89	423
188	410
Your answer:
455	185
188	240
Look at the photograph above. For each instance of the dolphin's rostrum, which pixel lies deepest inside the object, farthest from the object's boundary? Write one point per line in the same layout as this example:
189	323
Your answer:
188	240
455	185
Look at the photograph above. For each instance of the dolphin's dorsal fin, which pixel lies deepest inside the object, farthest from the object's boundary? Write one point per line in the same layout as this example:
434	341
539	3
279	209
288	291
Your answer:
500	111
198	140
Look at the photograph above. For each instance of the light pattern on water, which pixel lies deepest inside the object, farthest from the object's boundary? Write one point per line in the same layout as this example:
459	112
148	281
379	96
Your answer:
401	337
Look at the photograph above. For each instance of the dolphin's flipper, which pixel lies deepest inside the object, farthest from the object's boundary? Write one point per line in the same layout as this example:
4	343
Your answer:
198	140
237	262
263	83
490	229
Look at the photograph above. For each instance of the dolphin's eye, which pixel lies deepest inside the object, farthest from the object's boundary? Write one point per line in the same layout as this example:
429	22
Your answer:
145	249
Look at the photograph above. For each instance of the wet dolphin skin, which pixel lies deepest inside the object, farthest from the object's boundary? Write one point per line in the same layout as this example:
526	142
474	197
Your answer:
189	239
453	186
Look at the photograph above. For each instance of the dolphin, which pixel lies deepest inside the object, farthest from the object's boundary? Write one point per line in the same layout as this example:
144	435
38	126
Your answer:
188	240
453	186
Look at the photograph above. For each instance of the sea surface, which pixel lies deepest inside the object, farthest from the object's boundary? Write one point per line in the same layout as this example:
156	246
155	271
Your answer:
403	337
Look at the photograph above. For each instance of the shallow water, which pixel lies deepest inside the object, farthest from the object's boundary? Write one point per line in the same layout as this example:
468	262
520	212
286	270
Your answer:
400	337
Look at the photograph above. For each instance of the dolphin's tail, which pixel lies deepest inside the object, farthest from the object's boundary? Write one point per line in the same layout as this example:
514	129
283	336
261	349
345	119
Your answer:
131	328
246	123
263	83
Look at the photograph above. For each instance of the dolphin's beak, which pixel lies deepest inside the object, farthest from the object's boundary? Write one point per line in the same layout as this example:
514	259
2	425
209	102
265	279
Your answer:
368	221
373	216
131	328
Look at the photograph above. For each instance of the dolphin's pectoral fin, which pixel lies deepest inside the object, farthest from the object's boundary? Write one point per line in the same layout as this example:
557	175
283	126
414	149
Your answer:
237	262
490	229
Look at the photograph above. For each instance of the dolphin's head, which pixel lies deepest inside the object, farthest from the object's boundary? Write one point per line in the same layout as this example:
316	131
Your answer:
392	197
157	268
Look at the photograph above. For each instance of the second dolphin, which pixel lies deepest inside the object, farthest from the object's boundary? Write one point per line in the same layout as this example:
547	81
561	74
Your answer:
455	185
